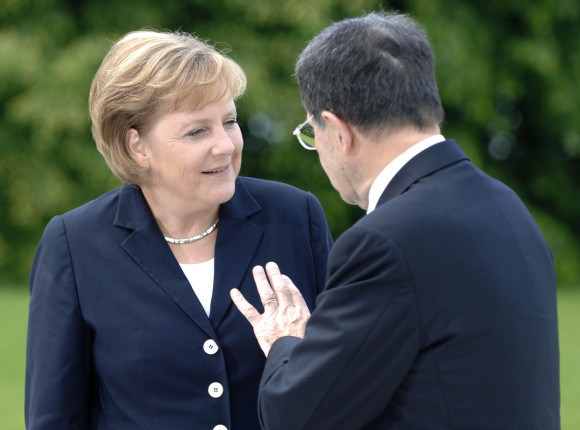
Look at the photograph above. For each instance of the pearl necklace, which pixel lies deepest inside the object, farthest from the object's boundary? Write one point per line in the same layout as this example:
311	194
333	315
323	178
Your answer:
194	238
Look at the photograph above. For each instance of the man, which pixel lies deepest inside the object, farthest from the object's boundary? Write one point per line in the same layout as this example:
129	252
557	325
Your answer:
440	305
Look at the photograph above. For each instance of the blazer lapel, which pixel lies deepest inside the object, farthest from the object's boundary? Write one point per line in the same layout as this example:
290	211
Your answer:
429	161
237	241
147	247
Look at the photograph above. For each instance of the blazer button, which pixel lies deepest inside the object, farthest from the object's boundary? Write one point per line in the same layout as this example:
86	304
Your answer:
210	347
215	390
220	427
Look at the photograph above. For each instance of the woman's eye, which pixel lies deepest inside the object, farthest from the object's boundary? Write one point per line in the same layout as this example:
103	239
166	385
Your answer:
195	132
231	122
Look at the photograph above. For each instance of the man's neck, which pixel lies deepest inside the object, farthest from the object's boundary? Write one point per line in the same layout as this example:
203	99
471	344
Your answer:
378	152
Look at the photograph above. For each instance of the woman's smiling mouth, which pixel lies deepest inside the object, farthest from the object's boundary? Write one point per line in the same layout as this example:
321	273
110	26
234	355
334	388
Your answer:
216	171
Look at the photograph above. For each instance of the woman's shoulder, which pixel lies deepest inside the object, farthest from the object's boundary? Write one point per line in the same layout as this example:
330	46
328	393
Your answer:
264	186
275	197
94	209
85	220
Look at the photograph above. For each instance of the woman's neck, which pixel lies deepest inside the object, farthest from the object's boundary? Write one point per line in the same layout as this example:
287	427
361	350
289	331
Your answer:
180	218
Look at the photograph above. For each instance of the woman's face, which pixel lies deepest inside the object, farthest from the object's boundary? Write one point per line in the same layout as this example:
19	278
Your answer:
193	157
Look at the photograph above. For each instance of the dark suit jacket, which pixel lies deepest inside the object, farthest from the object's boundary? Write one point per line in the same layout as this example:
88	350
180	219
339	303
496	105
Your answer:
439	313
116	333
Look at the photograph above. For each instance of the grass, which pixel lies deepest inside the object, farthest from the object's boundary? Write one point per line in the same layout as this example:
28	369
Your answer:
569	321
13	321
13	316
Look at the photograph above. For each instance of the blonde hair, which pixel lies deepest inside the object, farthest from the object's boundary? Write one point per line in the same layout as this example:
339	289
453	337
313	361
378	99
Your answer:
147	73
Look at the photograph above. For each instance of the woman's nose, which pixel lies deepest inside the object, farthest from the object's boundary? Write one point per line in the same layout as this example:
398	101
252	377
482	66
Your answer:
223	144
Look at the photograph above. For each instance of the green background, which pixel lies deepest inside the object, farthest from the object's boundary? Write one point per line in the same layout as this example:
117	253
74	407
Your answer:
508	74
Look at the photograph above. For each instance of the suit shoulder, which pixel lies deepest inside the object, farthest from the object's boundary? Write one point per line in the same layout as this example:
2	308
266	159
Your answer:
260	187
280	198
285	196
95	209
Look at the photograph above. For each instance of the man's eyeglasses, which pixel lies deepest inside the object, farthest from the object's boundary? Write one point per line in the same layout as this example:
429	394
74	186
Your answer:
305	134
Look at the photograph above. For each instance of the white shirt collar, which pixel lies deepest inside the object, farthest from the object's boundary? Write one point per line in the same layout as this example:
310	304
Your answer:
388	173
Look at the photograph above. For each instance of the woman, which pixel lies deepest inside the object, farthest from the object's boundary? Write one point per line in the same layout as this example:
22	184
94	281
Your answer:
131	325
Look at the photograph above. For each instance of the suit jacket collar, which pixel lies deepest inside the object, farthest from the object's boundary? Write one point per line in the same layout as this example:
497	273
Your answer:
236	243
425	163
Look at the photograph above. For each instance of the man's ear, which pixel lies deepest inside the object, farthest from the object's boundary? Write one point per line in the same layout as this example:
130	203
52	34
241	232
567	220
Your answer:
344	132
136	148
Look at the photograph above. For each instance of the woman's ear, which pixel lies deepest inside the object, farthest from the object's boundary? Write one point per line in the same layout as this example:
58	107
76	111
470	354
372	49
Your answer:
136	148
343	131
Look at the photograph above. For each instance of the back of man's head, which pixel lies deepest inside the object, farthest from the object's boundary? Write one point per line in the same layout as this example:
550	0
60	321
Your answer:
376	72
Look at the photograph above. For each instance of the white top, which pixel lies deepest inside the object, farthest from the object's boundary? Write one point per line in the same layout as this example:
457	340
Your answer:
388	173
200	276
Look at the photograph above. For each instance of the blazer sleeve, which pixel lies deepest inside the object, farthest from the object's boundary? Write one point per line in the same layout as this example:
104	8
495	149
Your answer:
58	350
359	343
320	241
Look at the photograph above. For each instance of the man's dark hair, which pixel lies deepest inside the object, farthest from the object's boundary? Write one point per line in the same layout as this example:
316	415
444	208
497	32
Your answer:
375	71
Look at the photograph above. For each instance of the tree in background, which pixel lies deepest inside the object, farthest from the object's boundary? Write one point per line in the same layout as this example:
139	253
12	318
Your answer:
506	72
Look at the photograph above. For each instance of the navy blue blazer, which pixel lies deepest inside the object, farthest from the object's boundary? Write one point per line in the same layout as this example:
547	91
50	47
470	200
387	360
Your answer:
439	313
117	338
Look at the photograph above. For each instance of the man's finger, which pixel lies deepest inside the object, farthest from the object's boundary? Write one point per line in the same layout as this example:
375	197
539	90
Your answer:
279	285
267	295
247	310
297	298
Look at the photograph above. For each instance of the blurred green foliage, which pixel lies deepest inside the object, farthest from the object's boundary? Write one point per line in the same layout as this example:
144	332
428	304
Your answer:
507	72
